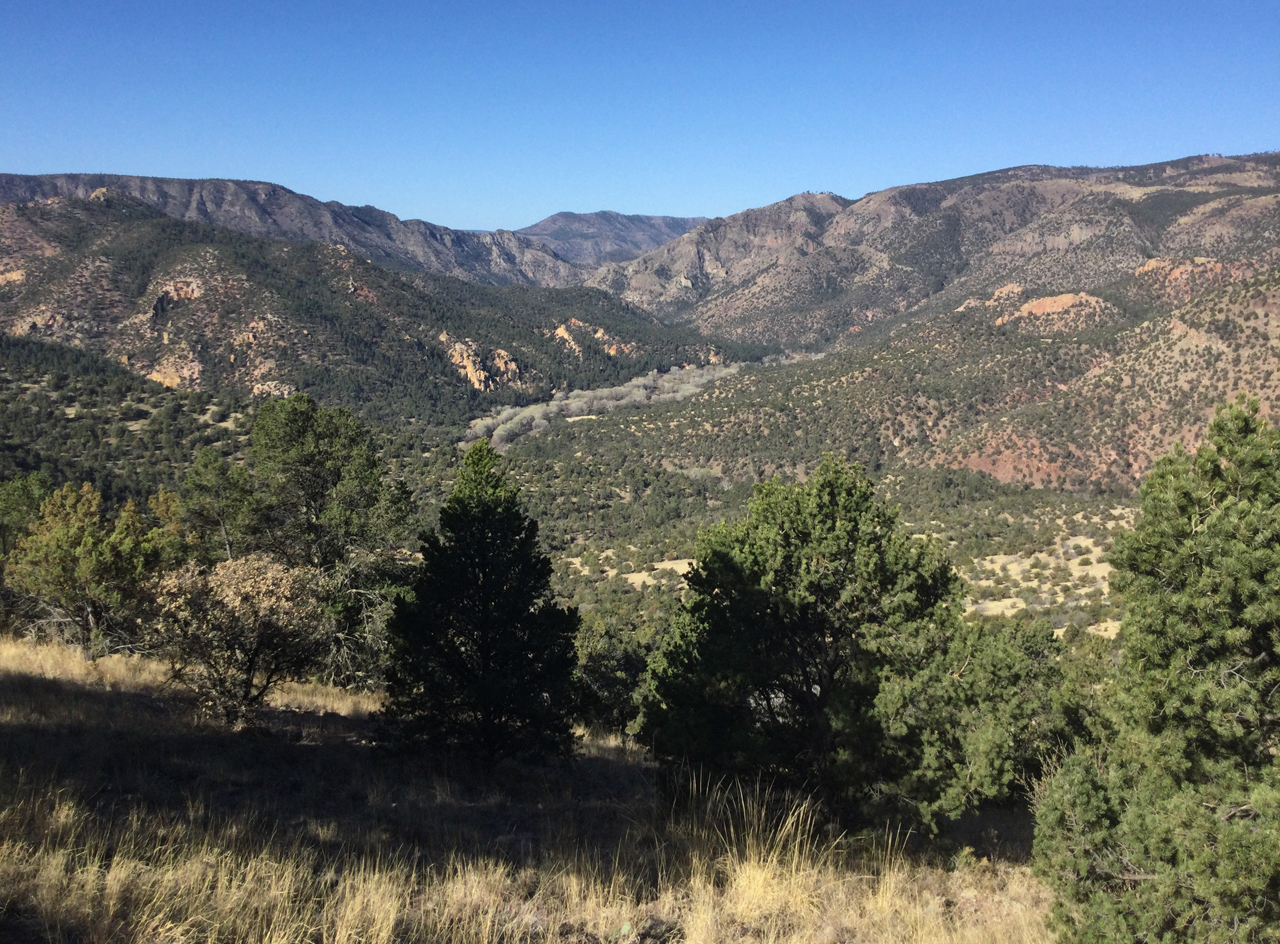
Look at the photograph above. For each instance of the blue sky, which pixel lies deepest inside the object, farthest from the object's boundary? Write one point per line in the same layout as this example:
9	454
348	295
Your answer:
486	114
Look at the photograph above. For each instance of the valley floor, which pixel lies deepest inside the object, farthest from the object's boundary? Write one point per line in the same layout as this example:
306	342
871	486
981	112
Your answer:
123	818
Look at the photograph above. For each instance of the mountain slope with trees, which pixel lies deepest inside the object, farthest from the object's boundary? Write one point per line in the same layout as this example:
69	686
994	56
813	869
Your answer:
196	306
815	269
271	211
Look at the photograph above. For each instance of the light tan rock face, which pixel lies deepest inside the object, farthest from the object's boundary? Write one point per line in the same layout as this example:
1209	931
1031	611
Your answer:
1179	282
484	372
572	330
1061	314
813	269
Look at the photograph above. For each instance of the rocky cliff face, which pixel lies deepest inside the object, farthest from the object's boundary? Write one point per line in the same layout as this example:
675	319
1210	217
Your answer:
274	212
594	239
815	268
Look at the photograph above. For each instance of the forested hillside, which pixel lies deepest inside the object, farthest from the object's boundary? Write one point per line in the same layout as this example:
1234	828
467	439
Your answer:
77	417
270	211
906	582
814	270
197	307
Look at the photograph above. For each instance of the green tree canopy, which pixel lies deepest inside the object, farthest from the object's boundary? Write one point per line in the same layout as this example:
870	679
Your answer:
821	645
20	501
482	656
316	495
1170	828
86	570
219	506
319	481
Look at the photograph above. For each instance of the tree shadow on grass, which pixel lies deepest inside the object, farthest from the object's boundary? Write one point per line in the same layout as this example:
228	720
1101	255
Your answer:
320	781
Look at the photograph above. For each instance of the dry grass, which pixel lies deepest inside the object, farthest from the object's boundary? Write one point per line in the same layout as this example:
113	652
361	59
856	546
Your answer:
52	660
57	661
325	699
125	820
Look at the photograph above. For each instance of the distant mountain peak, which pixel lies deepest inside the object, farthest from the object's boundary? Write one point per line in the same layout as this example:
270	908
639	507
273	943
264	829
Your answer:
592	239
815	268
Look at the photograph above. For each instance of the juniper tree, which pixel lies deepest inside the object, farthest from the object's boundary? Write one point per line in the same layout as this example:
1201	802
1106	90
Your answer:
482	656
1169	828
315	496
86	571
821	645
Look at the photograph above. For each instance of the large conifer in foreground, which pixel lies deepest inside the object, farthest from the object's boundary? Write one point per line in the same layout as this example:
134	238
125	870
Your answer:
482	657
1169	830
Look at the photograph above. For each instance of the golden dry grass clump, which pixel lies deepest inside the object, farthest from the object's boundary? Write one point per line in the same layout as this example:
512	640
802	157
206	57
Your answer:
124	818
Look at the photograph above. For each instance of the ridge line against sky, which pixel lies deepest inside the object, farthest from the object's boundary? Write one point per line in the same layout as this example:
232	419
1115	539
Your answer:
497	114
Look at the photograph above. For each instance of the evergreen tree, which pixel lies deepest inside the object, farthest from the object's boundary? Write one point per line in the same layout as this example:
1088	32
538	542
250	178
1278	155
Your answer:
86	571
1169	829
219	506
319	483
483	657
315	497
821	645
20	501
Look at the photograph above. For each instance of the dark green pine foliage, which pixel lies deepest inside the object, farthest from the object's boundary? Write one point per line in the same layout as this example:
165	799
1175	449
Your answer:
820	645
320	483
1169	829
483	657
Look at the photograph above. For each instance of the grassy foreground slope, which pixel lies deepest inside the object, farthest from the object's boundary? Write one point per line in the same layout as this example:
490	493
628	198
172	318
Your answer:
126	820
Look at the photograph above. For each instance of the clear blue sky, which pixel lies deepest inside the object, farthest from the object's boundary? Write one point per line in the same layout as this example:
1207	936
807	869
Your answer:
483	114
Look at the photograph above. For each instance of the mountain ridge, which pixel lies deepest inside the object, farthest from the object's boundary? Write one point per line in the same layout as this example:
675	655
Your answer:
271	211
811	270
196	306
607	236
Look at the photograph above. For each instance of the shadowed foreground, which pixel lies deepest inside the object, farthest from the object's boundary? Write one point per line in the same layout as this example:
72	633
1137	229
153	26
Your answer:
124	819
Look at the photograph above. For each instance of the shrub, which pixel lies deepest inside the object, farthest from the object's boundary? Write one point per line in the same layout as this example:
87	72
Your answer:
233	632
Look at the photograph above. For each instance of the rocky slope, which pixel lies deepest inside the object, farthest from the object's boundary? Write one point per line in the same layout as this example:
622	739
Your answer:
1166	377
1070	391
592	239
814	269
200	307
270	211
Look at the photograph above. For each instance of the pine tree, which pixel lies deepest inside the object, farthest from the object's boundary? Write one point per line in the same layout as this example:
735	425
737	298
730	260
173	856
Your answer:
483	657
1169	829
